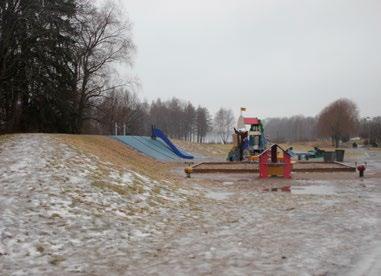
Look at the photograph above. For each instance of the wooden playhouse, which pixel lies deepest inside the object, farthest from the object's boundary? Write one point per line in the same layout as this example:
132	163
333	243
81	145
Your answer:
275	161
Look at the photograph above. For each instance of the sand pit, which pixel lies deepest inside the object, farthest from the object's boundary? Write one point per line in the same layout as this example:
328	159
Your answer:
247	167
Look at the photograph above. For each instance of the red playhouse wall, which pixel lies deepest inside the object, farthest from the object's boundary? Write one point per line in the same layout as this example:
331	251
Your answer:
287	167
264	159
251	121
263	169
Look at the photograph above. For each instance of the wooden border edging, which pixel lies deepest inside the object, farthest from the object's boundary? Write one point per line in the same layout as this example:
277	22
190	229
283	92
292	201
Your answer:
196	169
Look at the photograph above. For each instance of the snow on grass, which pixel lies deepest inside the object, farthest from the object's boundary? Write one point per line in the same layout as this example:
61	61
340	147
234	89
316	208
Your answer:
61	209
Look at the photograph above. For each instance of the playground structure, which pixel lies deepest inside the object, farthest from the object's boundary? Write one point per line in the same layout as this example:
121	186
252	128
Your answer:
249	148
247	167
248	139
272	164
158	146
328	156
257	141
157	133
315	153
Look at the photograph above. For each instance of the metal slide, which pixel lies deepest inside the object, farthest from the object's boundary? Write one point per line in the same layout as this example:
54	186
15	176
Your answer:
158	133
156	149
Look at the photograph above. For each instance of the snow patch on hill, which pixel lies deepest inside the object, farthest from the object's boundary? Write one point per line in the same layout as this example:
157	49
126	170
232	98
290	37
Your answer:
56	202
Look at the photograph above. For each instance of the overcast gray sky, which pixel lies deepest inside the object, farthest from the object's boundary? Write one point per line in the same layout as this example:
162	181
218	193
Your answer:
276	57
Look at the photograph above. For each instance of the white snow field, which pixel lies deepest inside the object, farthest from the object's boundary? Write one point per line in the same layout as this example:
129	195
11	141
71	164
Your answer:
67	212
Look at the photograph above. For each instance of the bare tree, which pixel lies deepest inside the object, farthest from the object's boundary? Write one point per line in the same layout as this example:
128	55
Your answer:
102	40
338	120
124	108
189	121
203	124
223	124
180	119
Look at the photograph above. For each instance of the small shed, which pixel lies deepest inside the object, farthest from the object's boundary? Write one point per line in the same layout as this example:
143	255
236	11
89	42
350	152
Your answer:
275	161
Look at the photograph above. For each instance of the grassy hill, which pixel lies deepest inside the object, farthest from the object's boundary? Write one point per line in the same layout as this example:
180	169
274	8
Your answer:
81	193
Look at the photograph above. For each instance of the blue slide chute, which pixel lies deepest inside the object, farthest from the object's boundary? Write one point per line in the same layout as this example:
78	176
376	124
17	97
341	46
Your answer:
158	133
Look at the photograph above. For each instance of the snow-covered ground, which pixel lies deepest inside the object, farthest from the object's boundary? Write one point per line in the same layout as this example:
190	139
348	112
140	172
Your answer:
61	210
66	212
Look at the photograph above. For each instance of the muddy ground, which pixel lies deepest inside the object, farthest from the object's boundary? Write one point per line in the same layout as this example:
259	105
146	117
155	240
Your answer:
60	216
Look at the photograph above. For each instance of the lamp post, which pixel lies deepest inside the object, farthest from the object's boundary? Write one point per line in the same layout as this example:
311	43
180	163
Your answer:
368	121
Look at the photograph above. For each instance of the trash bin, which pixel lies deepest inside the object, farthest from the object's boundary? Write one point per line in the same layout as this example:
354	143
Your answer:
329	156
340	155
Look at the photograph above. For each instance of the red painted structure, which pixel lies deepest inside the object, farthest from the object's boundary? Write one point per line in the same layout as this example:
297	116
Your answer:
269	158
251	121
263	167
361	169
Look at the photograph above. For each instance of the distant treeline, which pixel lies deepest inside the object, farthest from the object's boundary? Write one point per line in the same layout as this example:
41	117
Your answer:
292	129
339	121
370	129
124	112
329	124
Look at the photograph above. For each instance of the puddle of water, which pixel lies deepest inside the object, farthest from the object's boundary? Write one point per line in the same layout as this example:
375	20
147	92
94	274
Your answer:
218	195
314	182
286	189
314	190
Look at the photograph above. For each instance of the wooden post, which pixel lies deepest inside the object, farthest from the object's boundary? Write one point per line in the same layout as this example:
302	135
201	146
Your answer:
263	166
274	153
287	166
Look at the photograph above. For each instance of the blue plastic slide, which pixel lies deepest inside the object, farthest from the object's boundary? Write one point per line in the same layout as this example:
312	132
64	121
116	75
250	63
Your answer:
158	133
154	148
